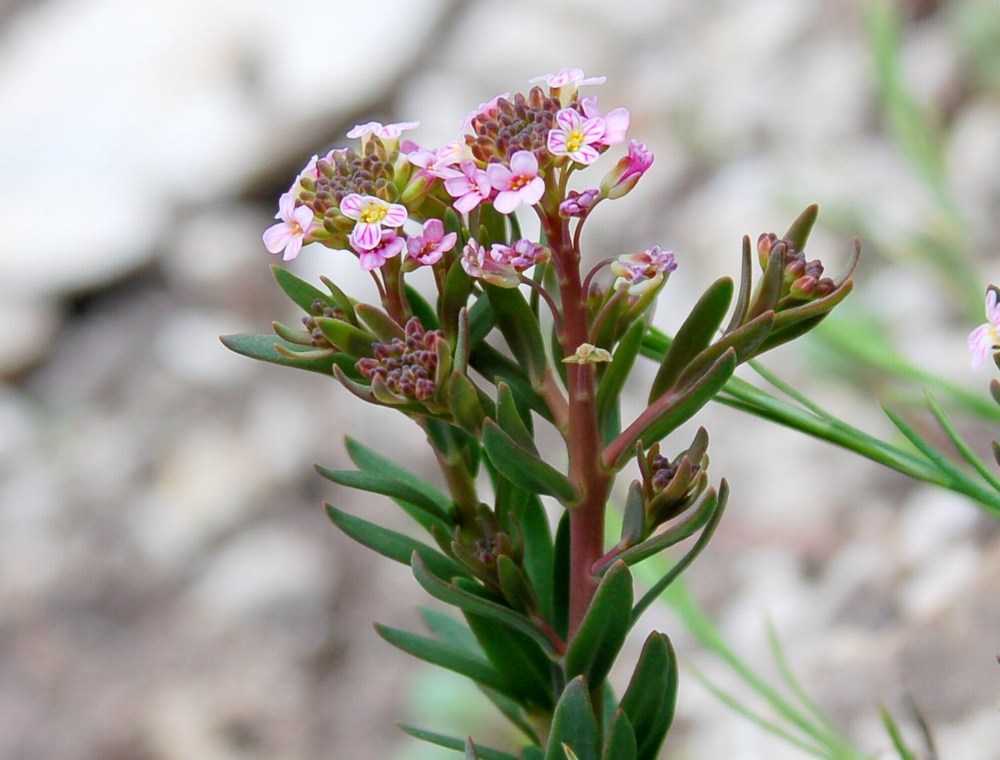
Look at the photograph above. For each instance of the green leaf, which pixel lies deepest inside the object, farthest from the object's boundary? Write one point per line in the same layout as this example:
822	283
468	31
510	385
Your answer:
398	491
346	337
605	625
340	300
675	534
520	329
454	297
651	696
610	389
465	403
380	323
769	287
560	577
292	335
523	467
476	604
745	341
694	335
450	742
264	348
634	520
620	743
300	291
510	419
475	668
532	753
574	724
904	752
528	669
746	283
370	460
798	233
421	309
395	546
516	587
538	549
496	367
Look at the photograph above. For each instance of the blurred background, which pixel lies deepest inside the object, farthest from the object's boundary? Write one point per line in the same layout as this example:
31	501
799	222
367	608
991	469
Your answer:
170	588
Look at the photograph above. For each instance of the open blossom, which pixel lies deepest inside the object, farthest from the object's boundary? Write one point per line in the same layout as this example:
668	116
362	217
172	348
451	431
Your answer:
643	271
986	338
628	171
518	184
383	131
568	77
579	203
616	121
471	186
389	245
522	255
291	232
439	162
370	214
480	264
575	137
431	244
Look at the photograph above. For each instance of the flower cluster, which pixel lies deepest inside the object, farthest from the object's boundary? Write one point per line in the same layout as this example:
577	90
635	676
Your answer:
406	367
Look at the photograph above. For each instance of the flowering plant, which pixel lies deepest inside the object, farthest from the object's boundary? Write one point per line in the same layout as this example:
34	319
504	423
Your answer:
520	335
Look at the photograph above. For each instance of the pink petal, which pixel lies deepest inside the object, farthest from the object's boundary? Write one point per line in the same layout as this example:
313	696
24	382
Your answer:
556	142
593	130
457	186
286	205
448	242
506	201
276	237
585	154
353	205
433	230
467	202
303	215
523	164
568	119
616	125
499	175
366	236
360	130
533	191
370	261
293	248
395	215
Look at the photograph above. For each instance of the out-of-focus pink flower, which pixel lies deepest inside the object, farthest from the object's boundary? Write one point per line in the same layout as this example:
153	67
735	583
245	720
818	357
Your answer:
616	121
431	244
383	131
643	271
518	184
522	255
579	203
986	338
471	186
291	232
573	137
479	264
487	109
568	77
371	214
440	162
390	245
628	171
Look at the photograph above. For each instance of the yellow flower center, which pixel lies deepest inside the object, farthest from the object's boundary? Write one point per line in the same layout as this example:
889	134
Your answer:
372	215
574	141
516	183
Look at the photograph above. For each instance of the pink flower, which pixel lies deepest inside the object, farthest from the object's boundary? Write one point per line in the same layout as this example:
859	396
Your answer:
371	214
986	338
438	162
481	265
383	131
643	271
290	233
579	203
487	109
628	171
428	247
616	122
389	245
522	255
573	77
518	184
574	137
471	186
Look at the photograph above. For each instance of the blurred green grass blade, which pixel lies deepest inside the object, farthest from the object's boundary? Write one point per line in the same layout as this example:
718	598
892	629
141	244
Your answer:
959	443
894	733
453	743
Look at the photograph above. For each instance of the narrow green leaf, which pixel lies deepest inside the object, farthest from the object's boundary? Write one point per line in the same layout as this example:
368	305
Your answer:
450	742
746	284
454	297
470	749
340	300
380	323
265	348
769	287
798	233
694	335
745	341
516	587
574	724
621	742
520	329
651	695
496	367
300	291
904	752
395	546
634	520
523	467
560	577
435	652
346	337
292	335
465	403
605	625
538	549
370	460
421	309
528	669
959	443
469	602
510	420
613	382
387	486
675	534
532	753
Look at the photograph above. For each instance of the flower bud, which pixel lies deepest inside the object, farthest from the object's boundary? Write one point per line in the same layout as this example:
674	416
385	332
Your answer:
627	172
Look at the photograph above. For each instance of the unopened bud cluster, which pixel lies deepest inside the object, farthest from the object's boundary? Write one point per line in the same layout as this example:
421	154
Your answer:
406	366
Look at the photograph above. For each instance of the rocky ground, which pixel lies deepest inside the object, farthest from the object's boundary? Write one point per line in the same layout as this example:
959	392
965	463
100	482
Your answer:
170	587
